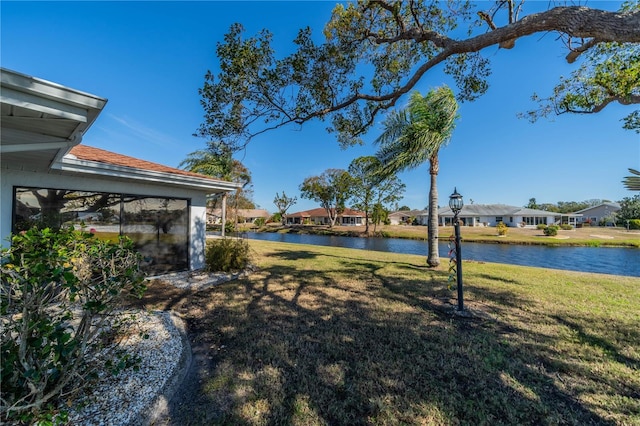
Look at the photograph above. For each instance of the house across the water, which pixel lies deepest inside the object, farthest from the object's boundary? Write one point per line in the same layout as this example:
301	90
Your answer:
603	214
50	179
214	216
319	216
492	214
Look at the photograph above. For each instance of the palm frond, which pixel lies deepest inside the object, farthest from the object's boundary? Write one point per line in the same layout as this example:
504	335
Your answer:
632	183
413	135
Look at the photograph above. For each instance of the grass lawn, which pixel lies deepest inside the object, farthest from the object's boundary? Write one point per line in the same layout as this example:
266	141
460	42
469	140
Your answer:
332	336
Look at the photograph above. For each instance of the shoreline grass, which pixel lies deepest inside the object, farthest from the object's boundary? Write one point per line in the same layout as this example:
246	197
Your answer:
588	236
326	335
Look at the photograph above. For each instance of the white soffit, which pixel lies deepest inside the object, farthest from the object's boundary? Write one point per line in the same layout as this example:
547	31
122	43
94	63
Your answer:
39	114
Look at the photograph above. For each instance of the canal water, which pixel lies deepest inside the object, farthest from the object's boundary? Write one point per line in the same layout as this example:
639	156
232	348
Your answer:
604	260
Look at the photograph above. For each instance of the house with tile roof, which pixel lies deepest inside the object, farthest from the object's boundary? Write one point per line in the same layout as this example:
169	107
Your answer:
214	216
319	216
492	214
409	217
50	179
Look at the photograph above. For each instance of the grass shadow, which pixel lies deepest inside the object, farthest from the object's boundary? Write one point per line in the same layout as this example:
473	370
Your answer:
322	339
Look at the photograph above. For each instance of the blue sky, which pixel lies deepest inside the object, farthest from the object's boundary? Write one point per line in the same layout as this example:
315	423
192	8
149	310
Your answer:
149	60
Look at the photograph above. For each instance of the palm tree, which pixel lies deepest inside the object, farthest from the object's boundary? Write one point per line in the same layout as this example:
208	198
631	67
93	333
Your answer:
211	162
219	163
415	135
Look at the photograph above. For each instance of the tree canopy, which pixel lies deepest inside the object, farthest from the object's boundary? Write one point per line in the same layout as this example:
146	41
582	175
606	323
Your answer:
283	203
375	52
331	190
369	188
609	73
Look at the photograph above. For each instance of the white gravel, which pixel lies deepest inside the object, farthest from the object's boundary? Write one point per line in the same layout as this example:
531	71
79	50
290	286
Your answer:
158	340
120	399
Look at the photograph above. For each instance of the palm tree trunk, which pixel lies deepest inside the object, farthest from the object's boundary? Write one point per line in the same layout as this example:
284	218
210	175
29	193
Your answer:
433	259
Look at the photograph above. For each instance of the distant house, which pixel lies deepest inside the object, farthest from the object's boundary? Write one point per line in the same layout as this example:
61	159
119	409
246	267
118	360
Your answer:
492	214
406	216
319	216
49	179
603	214
214	216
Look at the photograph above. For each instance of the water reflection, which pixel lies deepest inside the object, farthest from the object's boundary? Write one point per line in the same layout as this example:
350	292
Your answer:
605	260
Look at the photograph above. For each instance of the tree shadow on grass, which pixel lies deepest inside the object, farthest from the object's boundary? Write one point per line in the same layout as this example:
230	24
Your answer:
291	346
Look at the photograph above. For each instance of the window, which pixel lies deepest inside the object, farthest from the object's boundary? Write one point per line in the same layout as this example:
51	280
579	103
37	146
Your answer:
534	220
498	219
159	227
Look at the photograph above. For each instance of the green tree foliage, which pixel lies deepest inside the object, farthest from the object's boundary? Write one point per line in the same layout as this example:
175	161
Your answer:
566	206
369	187
532	204
413	136
610	72
283	203
629	209
400	43
331	190
632	183
217	161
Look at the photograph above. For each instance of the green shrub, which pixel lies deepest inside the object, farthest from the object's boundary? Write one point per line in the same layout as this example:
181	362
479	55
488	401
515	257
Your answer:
634	224
551	230
260	221
541	226
49	280
566	227
227	254
502	228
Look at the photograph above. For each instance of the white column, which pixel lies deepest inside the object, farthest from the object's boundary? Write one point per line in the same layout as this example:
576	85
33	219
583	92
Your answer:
224	211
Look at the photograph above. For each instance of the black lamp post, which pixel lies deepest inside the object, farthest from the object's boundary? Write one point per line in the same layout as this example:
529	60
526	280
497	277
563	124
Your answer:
456	203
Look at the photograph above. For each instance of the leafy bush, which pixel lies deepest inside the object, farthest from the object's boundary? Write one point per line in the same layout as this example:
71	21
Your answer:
551	230
541	226
51	280
566	227
260	221
634	223
227	254
502	228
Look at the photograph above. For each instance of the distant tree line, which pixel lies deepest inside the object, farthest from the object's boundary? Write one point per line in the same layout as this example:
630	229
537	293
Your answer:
629	207
565	206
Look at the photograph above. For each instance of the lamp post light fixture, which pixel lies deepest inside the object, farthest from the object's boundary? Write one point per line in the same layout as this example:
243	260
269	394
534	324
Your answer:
456	204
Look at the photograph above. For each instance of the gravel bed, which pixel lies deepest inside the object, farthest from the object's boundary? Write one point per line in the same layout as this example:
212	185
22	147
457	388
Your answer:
158	340
121	399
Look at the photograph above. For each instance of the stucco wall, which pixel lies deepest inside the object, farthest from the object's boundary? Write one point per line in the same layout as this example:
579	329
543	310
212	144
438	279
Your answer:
12	178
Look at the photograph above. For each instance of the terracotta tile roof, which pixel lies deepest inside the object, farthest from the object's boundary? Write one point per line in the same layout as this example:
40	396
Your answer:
320	212
89	153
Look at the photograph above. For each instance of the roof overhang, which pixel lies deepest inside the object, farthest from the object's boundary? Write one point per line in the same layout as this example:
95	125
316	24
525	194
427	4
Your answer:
41	120
68	164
